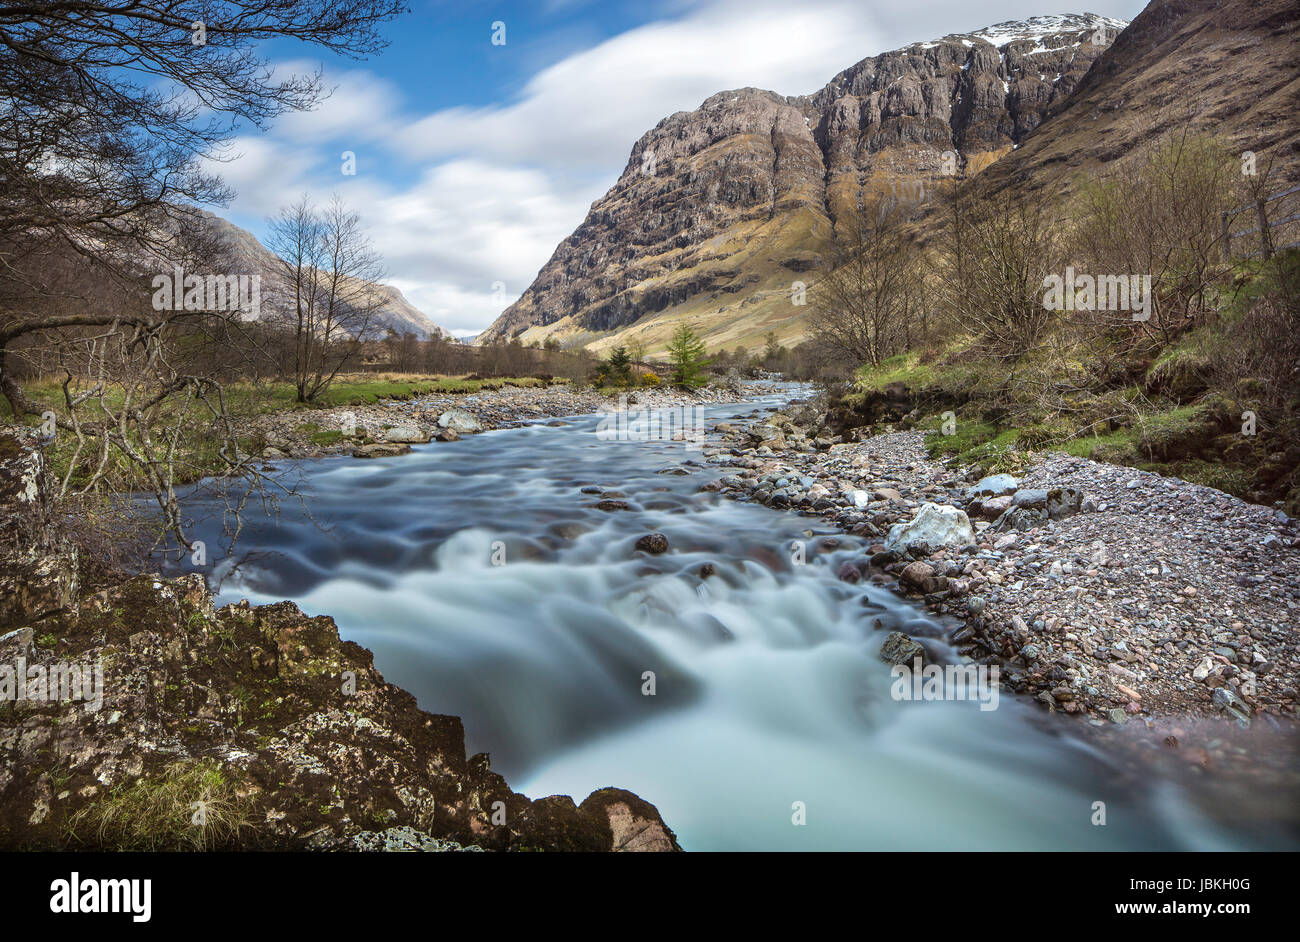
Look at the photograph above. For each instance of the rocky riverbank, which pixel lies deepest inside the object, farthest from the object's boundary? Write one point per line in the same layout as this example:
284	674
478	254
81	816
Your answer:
392	426
141	717
1101	591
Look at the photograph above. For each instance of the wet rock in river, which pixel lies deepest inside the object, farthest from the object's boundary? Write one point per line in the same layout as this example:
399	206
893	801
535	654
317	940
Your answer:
898	648
381	450
653	543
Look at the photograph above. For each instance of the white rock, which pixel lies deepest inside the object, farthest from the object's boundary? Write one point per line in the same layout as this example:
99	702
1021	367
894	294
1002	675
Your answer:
459	420
935	526
995	485
406	434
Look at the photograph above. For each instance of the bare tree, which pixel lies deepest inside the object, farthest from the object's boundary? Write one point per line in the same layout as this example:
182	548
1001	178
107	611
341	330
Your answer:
1161	215
989	268
327	271
864	304
109	109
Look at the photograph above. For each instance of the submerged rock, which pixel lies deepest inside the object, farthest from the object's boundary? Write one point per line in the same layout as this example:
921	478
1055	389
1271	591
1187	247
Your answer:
381	450
653	543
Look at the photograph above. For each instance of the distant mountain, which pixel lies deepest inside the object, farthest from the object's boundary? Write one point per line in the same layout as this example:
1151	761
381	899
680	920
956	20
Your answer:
721	209
248	254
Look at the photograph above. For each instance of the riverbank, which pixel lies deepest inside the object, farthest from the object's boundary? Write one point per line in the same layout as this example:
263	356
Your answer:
391	426
143	717
1102	591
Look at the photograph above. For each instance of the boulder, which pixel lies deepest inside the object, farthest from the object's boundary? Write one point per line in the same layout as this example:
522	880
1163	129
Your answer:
1227	700
406	434
921	576
1063	502
935	526
993	507
460	421
653	543
1030	498
1018	518
995	485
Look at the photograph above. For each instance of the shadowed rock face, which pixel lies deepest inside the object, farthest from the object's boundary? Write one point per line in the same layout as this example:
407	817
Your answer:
298	737
37	567
754	168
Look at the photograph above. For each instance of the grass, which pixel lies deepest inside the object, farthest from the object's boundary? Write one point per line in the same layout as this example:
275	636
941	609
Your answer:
1093	446
362	389
904	368
353	389
191	805
200	455
975	443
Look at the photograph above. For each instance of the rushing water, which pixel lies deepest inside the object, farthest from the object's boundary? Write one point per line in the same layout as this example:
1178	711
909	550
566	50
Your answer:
769	690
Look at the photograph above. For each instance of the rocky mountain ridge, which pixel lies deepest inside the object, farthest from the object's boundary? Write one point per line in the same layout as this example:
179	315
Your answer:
1210	66
718	211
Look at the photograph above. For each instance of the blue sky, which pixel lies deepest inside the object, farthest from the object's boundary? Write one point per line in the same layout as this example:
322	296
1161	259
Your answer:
474	160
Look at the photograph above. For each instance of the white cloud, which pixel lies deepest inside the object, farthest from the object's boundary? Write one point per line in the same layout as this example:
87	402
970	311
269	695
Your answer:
587	110
360	107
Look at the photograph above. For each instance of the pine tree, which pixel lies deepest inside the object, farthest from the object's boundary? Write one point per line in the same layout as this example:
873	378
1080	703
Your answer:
686	353
620	366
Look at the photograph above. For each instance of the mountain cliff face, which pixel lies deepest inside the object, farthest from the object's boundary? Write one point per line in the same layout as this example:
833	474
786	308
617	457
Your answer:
720	210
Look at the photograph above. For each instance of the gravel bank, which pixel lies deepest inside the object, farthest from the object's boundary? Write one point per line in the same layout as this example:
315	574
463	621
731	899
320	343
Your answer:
445	417
1100	590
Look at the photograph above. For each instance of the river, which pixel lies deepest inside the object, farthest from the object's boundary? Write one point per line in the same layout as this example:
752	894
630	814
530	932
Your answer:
485	585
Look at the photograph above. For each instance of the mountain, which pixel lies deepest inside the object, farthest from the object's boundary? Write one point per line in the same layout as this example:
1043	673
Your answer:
720	210
246	253
1226	67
